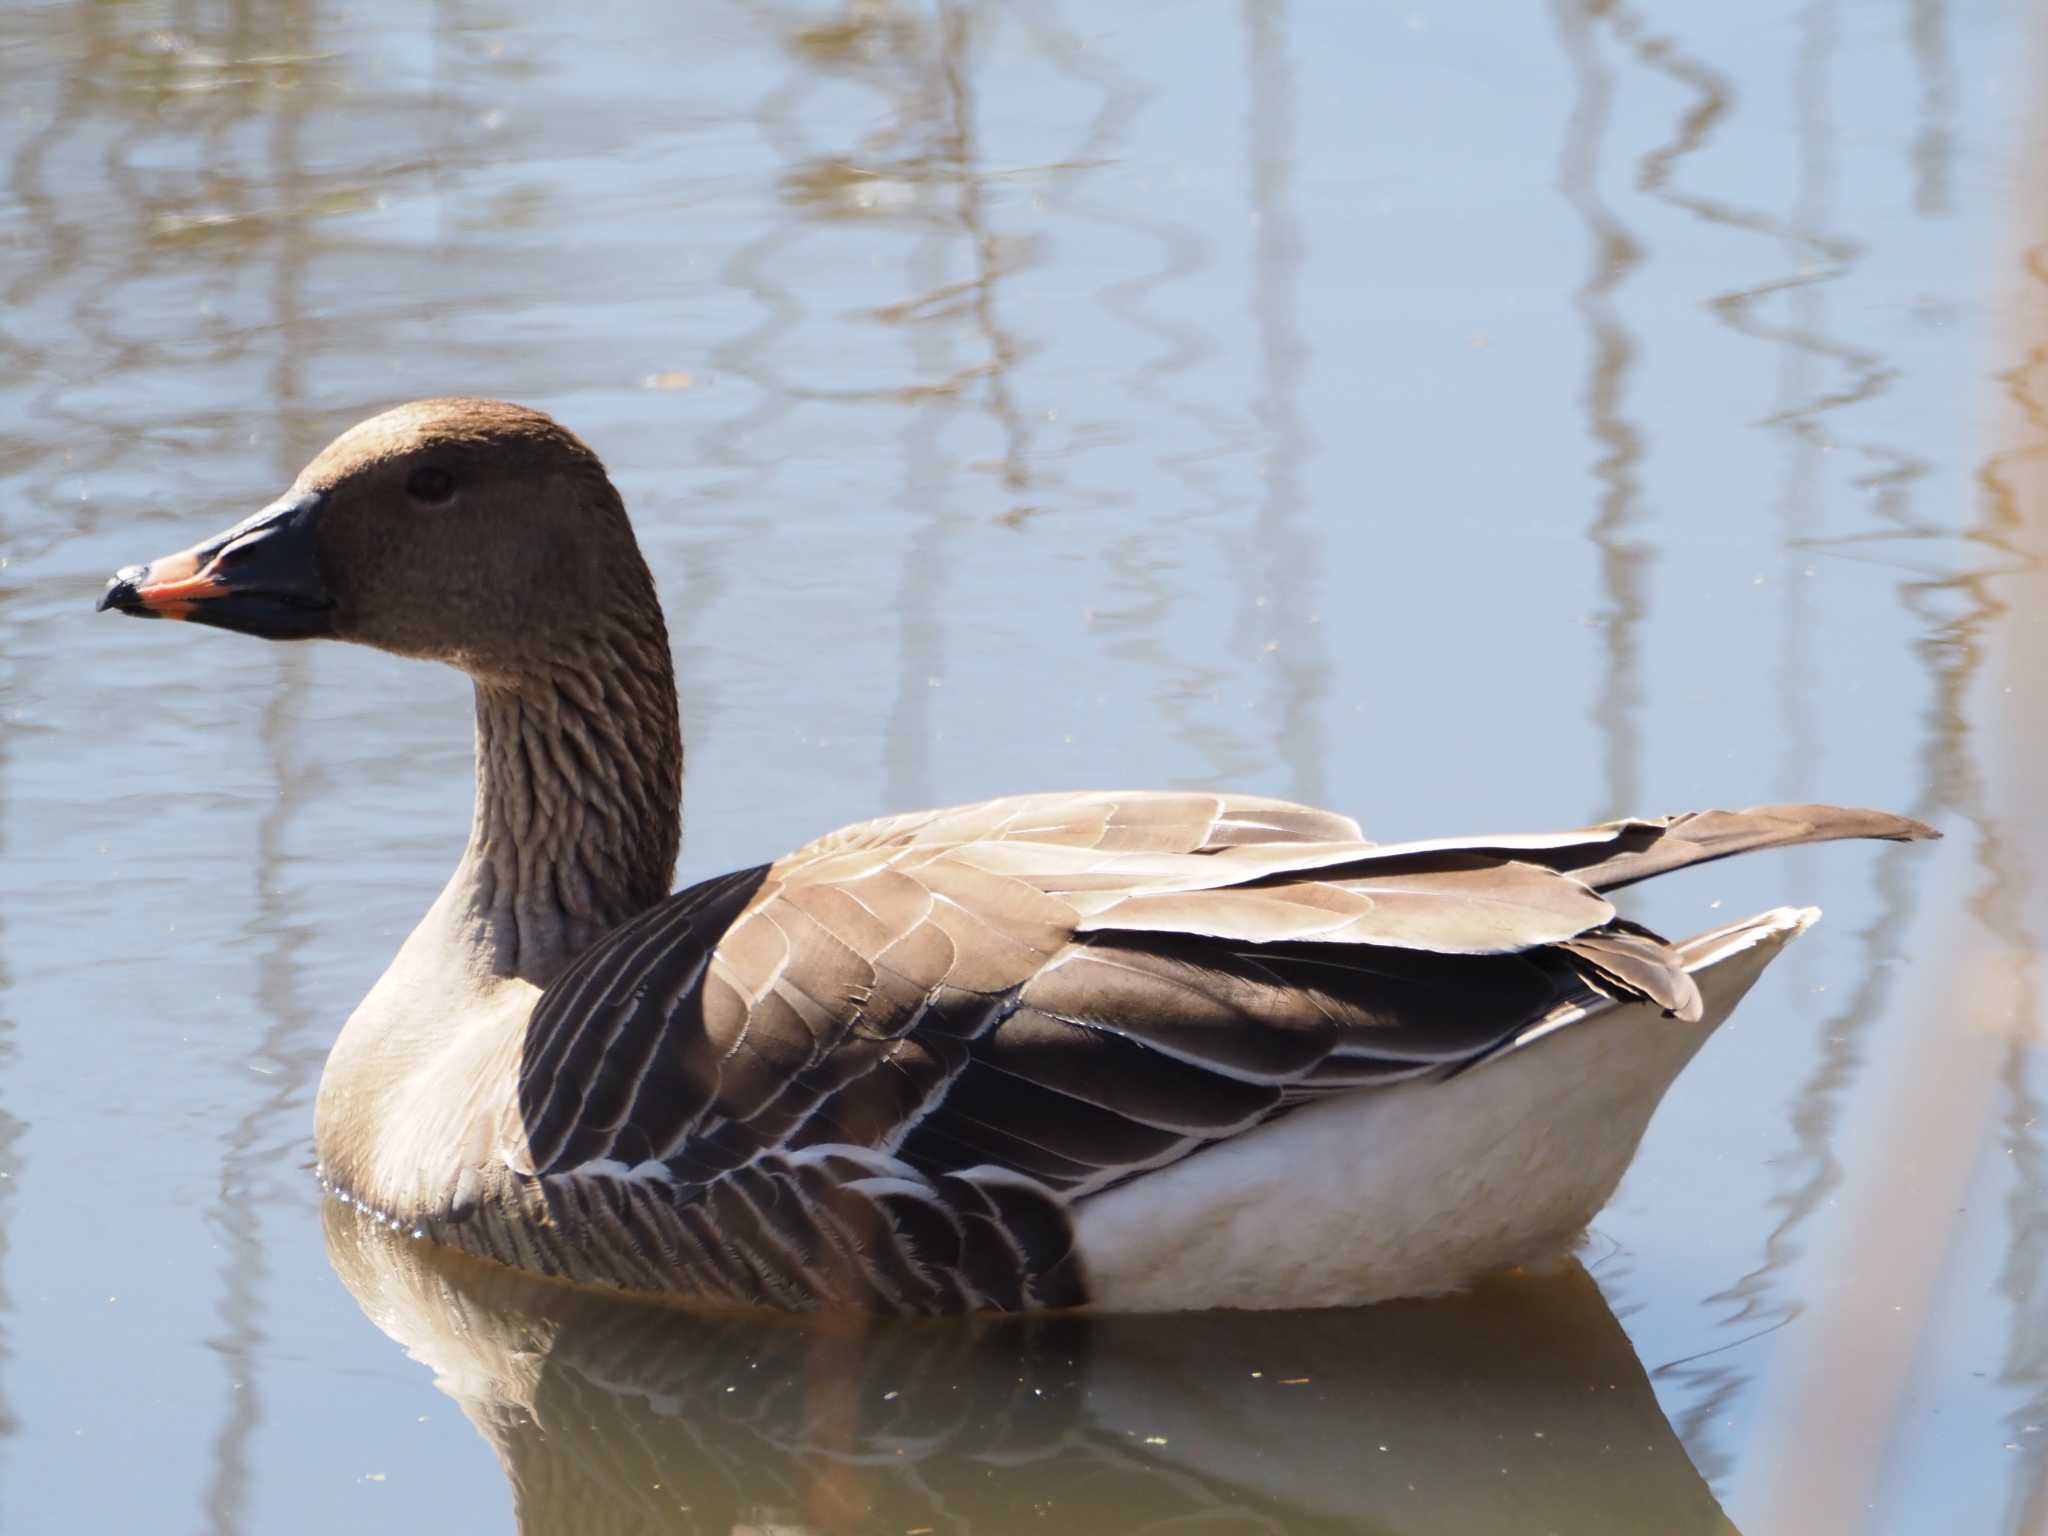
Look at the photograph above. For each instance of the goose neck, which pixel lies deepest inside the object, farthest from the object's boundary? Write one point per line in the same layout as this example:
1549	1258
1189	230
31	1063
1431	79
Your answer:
578	805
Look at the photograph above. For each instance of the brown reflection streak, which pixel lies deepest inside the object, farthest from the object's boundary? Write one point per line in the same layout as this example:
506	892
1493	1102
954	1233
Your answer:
1802	344
12	1127
741	356
924	72
1184	252
46	475
62	243
289	1062
1954	650
881	48
1956	614
42	474
2023	1279
1624	562
1188	692
140	86
990	260
928	147
1712	1382
836	1494
1951	655
18	454
1993	989
148	83
907	749
884	49
1715	1382
1289	552
1934	144
1823	257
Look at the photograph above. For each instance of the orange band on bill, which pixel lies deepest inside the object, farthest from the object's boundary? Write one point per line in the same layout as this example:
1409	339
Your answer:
175	582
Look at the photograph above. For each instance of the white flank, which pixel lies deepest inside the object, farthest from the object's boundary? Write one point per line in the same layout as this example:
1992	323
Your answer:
1424	1186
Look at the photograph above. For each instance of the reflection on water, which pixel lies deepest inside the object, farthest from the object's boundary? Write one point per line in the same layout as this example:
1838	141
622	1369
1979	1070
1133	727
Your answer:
285	1052
1469	417
1822	380
1934	144
2013	509
1624	560
1519	1408
1289	589
12	1125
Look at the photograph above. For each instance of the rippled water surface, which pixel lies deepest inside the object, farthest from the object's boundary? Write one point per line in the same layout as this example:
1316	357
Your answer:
1473	417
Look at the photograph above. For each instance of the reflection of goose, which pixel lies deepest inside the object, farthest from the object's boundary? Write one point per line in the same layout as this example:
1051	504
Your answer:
1146	1051
1520	1407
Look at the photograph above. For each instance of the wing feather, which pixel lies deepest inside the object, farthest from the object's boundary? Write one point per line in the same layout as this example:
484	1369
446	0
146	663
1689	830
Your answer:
880	1069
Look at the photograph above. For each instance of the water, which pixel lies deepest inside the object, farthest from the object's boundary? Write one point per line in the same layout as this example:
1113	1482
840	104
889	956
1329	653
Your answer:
1473	419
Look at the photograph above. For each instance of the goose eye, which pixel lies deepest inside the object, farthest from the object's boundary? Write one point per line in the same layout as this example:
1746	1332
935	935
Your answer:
430	484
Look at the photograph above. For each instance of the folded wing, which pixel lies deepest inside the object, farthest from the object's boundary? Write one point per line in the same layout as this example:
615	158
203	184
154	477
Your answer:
933	1033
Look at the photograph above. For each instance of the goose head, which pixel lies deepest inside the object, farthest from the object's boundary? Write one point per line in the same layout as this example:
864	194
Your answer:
473	532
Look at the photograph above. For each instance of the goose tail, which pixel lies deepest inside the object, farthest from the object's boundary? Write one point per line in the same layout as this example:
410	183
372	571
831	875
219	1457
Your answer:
1646	847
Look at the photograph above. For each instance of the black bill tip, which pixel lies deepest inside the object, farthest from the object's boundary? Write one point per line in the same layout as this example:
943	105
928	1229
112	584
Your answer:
124	592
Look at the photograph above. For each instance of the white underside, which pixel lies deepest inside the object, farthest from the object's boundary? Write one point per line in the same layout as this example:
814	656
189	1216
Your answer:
1419	1188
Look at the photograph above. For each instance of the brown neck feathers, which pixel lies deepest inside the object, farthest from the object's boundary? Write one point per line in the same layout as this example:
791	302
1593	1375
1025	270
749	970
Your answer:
578	801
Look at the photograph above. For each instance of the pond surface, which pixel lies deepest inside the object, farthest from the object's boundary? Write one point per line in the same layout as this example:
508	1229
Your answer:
1474	418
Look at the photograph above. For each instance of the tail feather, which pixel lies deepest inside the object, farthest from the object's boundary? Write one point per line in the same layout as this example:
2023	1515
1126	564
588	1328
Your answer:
1703	951
1654	846
1638	965
1720	963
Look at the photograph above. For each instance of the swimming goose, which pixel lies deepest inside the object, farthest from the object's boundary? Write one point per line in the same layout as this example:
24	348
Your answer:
1140	1051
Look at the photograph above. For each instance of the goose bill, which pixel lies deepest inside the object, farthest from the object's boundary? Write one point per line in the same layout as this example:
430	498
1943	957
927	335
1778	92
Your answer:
261	577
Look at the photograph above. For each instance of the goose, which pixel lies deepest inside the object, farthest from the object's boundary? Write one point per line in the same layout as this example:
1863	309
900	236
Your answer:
1133	1051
